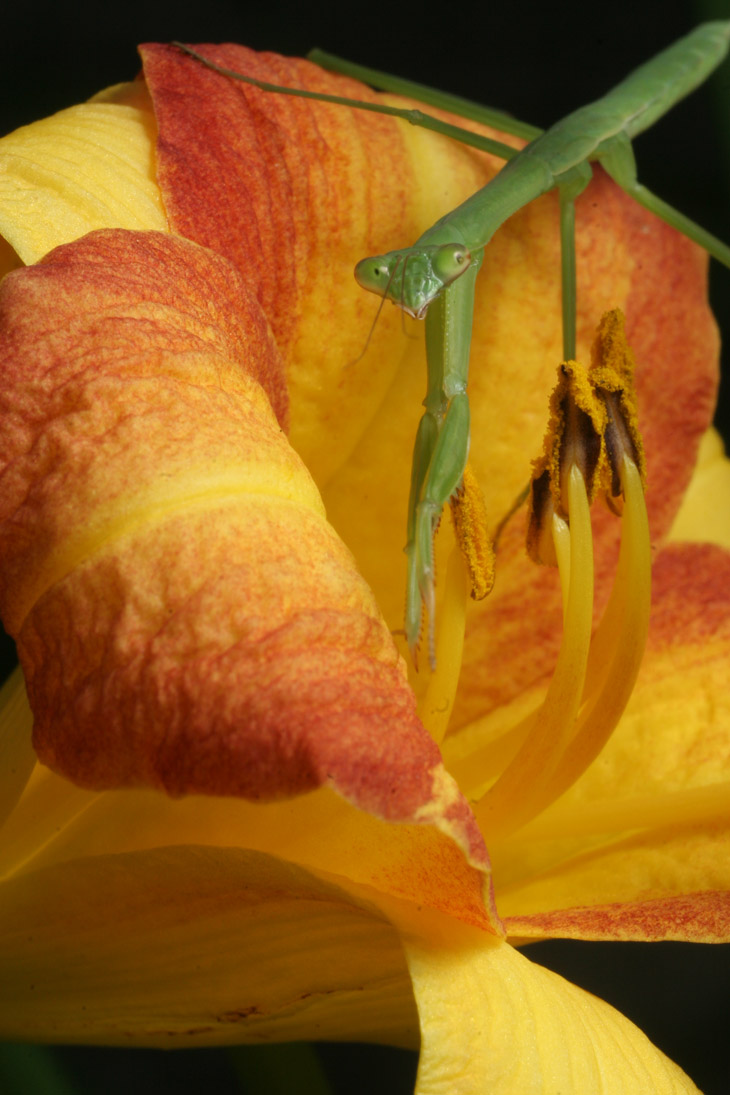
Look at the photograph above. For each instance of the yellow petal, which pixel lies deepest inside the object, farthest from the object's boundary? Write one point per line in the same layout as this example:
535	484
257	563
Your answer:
705	511
671	882
492	1021
207	947
57	822
91	166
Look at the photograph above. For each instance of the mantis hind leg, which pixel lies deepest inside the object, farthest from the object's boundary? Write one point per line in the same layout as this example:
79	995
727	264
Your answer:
618	161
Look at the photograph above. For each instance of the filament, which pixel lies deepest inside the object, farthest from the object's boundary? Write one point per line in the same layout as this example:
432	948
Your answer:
520	792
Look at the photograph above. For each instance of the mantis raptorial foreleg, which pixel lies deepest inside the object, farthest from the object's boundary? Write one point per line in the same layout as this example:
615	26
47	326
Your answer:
442	443
435	277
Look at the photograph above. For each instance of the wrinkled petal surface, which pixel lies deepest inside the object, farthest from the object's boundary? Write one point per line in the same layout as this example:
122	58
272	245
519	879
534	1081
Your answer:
186	618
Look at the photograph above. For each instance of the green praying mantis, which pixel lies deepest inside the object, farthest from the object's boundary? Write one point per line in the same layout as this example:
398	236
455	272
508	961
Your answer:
435	278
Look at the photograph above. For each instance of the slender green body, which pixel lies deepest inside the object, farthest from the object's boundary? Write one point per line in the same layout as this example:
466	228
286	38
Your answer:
600	131
585	135
436	277
559	158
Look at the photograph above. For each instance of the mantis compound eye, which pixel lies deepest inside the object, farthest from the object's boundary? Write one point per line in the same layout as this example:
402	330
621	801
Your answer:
374	274
449	261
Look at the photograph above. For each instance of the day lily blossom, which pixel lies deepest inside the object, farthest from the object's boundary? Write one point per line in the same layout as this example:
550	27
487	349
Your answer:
203	490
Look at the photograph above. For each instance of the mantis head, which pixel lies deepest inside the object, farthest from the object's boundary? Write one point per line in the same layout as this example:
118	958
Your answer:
414	277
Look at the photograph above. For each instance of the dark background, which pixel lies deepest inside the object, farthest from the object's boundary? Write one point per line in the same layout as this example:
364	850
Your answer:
538	61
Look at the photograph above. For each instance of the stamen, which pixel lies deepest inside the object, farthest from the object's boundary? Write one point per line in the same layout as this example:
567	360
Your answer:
438	702
469	518
561	544
592	441
633	602
574	437
612	369
541	510
612	376
520	792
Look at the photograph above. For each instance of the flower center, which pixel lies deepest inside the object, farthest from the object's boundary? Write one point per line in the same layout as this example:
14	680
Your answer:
592	445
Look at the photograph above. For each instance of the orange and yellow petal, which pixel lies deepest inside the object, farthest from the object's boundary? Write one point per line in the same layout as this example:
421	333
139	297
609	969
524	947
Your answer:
186	618
285	188
669	882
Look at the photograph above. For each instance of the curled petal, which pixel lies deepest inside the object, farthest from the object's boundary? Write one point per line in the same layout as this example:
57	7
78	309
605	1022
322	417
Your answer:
186	618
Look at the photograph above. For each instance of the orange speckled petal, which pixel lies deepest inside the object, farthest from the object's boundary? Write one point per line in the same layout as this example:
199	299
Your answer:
295	192
286	189
186	618
591	906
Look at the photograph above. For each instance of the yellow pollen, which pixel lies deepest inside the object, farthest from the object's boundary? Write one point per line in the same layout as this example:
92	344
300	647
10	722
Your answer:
612	376
469	517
